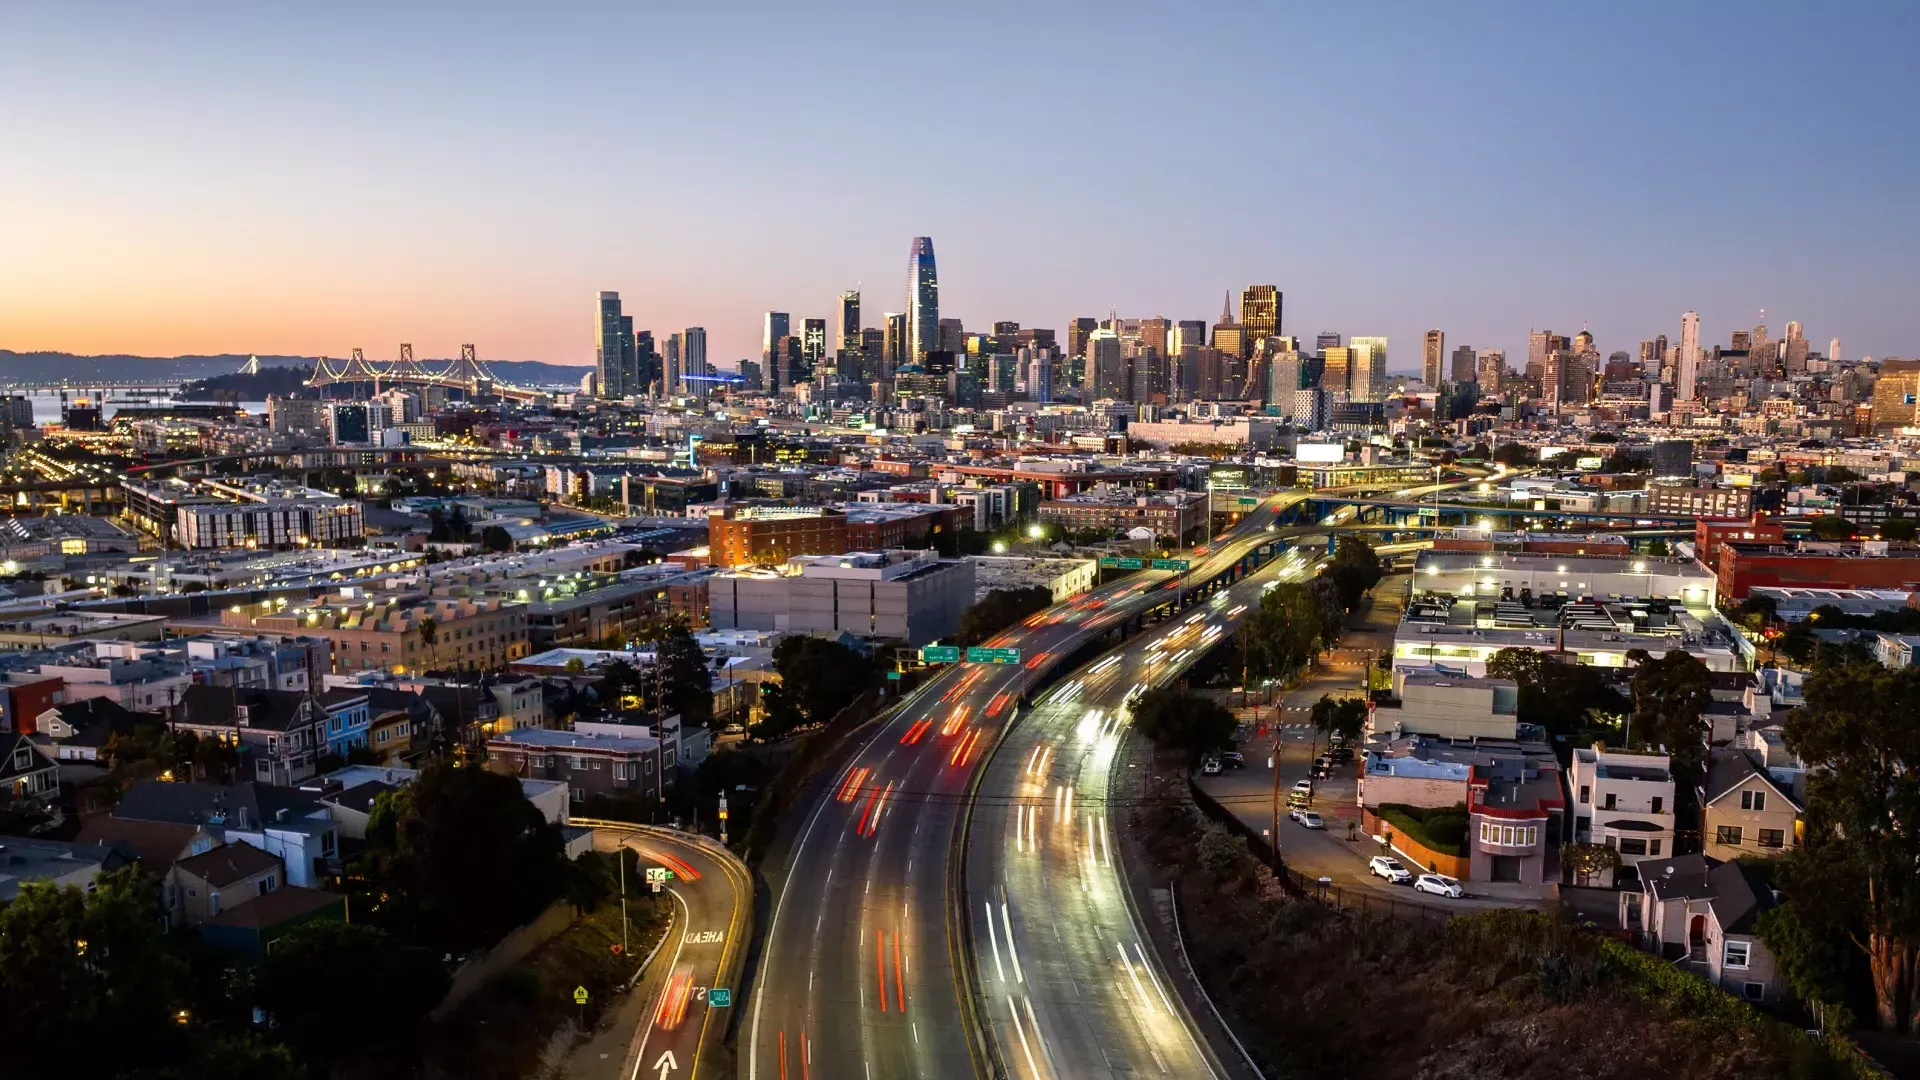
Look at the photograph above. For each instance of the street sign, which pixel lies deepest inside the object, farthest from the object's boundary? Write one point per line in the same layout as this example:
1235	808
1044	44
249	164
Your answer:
579	995
939	654
980	655
1247	501
893	676
657	874
1171	564
719	997
1119	563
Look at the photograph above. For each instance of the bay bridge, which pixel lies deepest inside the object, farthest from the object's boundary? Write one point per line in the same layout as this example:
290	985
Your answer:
468	374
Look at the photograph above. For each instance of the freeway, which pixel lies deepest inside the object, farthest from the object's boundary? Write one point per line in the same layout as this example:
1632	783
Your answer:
1070	987
859	975
680	1024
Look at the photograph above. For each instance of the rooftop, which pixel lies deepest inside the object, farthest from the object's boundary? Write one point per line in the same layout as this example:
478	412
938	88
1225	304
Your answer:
576	740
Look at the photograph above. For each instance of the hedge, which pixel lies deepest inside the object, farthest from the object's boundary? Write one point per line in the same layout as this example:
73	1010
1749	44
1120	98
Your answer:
1442	829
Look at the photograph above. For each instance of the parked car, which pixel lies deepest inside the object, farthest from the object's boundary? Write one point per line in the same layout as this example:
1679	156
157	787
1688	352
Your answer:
1303	787
1309	819
1438	885
1233	759
1210	766
1341	755
1389	868
734	729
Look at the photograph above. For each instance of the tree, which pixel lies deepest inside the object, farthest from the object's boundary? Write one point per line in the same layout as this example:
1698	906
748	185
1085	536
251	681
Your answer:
1565	699
429	631
1671	696
1659	548
1515	455
86	970
1831	527
1175	720
685	683
1285	632
462	858
496	538
998	610
324	979
1354	570
1855	871
818	678
1904	529
1345	717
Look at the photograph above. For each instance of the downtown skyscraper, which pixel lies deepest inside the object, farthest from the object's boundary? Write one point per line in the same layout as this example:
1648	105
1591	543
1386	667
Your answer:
614	358
1686	366
923	302
1259	314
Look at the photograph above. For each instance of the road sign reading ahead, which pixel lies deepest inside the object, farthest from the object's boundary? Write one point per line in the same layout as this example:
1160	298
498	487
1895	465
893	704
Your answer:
1119	563
1170	564
978	655
939	654
719	997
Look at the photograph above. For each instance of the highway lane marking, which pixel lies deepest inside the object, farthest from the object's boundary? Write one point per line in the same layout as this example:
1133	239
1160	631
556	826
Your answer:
999	968
1164	1002
1006	920
641	1057
1014	1010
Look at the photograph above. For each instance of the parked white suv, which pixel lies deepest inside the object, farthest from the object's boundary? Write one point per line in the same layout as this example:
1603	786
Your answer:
1389	868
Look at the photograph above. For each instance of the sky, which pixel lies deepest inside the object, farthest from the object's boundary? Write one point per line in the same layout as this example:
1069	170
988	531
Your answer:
304	179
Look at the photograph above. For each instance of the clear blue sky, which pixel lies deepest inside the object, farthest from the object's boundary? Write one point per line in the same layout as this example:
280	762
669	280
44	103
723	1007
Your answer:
245	177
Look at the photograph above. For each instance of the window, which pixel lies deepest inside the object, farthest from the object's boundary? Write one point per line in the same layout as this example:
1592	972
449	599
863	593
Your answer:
1734	953
1753	800
1632	845
1728	835
1586	793
1656	804
213	903
1609	802
1754	991
1653	848
577	794
1772	838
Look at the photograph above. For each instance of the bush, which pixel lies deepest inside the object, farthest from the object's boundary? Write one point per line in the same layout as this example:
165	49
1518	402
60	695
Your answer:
1442	829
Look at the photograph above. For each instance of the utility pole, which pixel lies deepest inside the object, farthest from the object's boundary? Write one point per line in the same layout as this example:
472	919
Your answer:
1275	762
621	854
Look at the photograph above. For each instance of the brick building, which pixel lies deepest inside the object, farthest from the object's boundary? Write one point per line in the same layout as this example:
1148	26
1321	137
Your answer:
753	535
588	763
1742	565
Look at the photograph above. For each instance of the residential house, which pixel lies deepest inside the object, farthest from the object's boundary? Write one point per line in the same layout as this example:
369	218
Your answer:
1700	912
252	928
1509	788
170	822
1746	811
56	862
521	702
199	886
79	731
284	733
26	771
1623	801
352	807
398	716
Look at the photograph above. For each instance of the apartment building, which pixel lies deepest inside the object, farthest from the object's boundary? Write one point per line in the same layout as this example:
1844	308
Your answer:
401	634
1623	801
758	535
913	597
589	764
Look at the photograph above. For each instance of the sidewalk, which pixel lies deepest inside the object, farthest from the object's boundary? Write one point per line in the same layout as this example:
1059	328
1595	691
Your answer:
606	1052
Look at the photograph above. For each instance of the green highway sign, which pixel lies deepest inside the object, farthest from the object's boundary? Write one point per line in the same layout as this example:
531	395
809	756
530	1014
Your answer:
893	676
939	654
1246	500
979	655
1170	564
720	997
1122	564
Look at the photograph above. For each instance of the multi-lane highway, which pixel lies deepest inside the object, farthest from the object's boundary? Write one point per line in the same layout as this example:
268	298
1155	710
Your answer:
860	974
677	1031
1070	988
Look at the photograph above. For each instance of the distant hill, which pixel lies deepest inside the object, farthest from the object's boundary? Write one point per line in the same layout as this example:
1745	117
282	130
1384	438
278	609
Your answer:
55	367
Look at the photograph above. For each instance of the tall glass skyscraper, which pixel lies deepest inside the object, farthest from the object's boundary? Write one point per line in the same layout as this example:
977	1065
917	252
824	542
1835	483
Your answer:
608	347
923	301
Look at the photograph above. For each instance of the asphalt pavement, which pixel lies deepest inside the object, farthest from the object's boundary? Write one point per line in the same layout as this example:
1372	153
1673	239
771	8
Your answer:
1069	985
670	1026
859	976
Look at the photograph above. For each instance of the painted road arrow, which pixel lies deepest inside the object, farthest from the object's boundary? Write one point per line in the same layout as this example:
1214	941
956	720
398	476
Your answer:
666	1064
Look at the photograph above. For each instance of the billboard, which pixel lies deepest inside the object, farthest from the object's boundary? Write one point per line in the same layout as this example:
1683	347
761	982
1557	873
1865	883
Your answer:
1225	475
1327	453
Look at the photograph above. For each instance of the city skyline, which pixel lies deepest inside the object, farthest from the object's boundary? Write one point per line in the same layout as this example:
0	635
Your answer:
378	187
